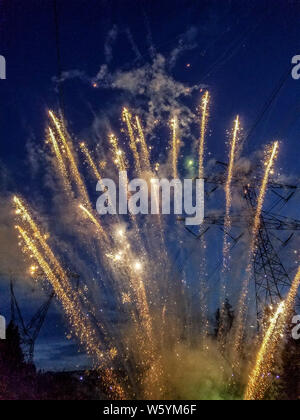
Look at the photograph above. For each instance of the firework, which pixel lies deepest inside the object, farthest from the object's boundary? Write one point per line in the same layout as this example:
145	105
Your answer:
118	153
269	163
260	377
79	323
203	274
144	149
230	173
264	362
127	118
271	157
93	219
90	161
133	270
175	142
74	169
22	210
138	274
61	163
227	221
204	120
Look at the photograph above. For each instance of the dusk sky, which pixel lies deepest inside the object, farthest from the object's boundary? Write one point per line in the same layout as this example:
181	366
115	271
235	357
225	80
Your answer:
110	52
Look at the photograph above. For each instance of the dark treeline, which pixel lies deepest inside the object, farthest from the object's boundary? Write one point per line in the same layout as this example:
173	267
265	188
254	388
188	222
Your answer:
21	381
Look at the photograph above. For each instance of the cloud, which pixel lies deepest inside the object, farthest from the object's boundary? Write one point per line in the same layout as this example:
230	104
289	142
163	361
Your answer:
134	46
57	355
11	259
186	43
110	40
71	74
148	88
196	374
152	91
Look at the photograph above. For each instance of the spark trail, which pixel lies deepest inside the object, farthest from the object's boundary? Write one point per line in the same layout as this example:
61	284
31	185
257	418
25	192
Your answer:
227	222
271	157
240	320
270	348
145	152
79	323
203	274
92	218
175	141
98	177
204	122
136	280
260	376
73	166
148	311
135	272
137	286
26	216
127	118
118	153
121	164
90	161
61	163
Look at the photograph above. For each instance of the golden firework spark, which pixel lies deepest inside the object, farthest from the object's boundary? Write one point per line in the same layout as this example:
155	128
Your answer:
119	159
127	118
26	216
259	379
227	221
269	163
271	157
98	177
175	146
204	121
145	152
73	166
260	375
61	163
79	322
126	264
203	285
230	171
90	161
96	222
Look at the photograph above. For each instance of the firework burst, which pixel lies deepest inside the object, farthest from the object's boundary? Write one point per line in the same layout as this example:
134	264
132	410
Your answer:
136	269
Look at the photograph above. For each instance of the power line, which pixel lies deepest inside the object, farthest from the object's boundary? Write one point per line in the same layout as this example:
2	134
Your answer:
58	55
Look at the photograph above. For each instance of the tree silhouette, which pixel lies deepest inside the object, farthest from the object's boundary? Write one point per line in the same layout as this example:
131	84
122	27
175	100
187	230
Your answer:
228	319
291	370
12	353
